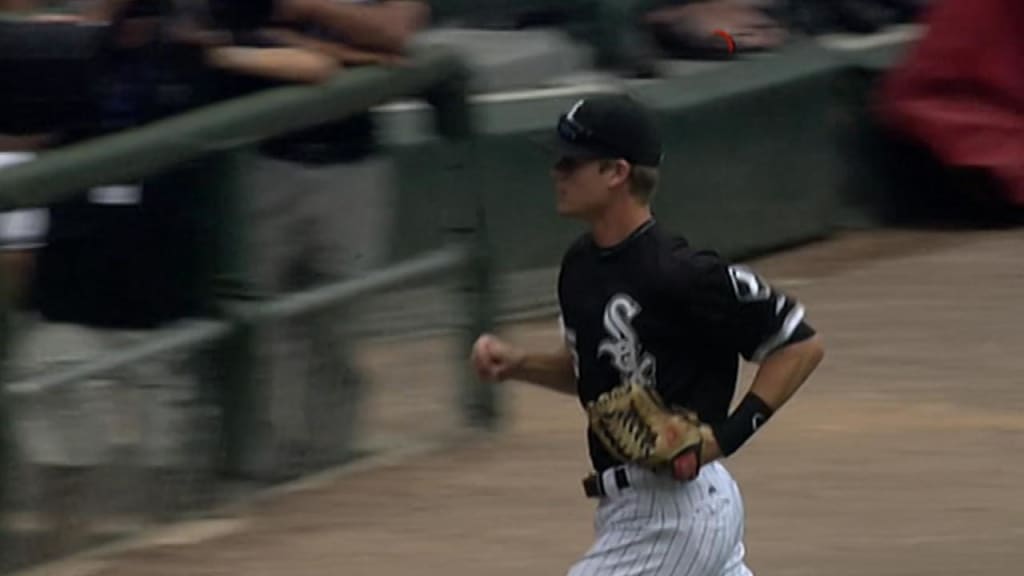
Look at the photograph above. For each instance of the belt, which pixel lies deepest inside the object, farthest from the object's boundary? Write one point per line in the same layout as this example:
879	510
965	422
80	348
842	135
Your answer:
605	483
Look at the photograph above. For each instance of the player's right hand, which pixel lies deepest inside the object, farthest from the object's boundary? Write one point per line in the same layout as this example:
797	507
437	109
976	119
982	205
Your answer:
493	359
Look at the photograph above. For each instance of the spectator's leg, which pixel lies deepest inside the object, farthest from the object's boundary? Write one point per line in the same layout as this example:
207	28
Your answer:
277	233
176	432
353	203
63	431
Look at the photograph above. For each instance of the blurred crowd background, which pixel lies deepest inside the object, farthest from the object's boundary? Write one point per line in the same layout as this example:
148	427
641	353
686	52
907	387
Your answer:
103	269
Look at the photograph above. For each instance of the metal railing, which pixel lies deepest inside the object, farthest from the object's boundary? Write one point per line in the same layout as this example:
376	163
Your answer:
452	259
435	75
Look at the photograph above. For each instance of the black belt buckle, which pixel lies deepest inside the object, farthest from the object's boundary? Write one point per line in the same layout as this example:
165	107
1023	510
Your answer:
593	484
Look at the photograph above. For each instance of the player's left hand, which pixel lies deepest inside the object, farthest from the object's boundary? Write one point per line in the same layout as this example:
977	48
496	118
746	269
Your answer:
635	426
686	466
710	451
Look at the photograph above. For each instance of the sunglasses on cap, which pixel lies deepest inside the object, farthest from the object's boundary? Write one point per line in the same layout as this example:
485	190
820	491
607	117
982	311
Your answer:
572	131
608	127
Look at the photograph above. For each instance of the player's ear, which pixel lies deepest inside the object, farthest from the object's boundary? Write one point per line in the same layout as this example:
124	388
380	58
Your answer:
618	172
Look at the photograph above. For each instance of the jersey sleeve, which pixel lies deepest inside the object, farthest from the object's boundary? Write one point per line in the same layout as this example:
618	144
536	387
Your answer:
737	305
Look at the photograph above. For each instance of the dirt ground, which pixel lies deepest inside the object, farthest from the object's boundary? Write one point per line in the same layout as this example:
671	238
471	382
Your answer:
900	457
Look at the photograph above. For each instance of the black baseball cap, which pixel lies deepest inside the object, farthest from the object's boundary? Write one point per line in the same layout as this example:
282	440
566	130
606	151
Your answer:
608	126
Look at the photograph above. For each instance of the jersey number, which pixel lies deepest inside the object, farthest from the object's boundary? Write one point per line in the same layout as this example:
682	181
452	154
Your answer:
748	286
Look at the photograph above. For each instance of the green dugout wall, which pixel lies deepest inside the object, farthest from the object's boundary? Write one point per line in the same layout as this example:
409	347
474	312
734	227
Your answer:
760	154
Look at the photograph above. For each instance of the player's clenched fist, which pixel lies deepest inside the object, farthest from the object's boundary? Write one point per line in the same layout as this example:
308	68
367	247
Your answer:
493	359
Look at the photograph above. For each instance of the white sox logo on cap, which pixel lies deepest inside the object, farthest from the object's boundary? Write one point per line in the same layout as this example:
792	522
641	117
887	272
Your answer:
571	115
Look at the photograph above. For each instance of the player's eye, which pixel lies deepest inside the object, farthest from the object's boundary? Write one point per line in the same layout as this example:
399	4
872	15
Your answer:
567	164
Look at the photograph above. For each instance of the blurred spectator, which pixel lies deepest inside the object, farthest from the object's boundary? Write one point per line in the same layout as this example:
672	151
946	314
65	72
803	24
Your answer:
120	260
113	264
370	27
851	16
959	96
49	69
18	5
316	209
629	36
349	33
717	28
21	232
46	70
713	30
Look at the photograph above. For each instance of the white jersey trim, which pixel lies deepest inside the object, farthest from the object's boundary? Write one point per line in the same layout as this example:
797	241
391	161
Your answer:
789	325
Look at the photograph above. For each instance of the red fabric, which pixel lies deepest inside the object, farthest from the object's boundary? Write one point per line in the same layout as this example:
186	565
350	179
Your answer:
961	90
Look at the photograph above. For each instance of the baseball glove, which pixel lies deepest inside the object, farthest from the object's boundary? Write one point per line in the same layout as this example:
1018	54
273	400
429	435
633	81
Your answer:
634	425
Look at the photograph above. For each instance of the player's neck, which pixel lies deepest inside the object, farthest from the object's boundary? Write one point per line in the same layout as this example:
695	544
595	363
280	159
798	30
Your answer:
614	226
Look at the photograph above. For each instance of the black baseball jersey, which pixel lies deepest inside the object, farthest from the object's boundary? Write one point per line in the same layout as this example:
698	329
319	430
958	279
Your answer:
655	309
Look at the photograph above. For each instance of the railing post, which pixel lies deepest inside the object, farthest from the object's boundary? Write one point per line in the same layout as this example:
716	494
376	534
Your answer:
467	224
480	399
226	272
452	112
233	362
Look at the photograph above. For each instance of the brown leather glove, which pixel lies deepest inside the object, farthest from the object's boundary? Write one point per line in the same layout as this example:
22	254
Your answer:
635	426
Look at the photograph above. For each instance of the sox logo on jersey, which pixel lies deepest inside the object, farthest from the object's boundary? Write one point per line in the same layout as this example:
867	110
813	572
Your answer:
623	347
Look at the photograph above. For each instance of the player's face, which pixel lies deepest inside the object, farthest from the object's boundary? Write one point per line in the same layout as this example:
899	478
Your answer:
581	187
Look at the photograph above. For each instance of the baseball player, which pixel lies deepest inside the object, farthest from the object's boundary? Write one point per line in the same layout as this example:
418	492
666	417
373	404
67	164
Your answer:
653	332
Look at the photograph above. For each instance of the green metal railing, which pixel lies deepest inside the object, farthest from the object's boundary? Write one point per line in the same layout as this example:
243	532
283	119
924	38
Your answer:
214	131
452	259
436	75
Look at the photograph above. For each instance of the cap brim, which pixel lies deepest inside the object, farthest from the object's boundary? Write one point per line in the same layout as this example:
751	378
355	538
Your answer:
559	148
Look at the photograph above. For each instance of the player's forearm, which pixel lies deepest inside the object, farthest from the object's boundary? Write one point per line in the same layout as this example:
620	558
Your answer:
784	371
369	26
340	52
553	371
284	64
778	378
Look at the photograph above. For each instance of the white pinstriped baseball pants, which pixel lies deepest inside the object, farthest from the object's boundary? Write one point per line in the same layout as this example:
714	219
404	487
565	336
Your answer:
661	527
